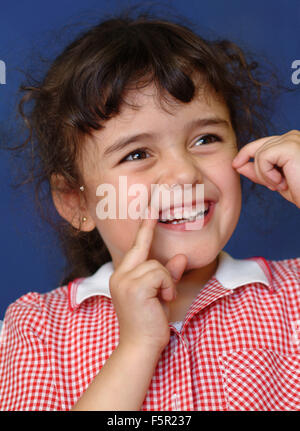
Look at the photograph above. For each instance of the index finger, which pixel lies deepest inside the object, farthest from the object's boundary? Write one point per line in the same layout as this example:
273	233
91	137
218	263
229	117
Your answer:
250	149
139	251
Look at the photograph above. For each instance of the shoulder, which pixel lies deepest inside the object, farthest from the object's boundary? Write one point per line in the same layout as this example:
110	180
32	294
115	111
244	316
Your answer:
37	300
31	309
285	267
285	274
292	264
26	360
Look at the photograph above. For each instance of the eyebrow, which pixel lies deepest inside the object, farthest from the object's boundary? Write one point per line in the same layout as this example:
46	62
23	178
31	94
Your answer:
124	141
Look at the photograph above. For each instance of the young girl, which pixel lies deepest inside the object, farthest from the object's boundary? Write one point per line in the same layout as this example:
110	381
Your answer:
154	315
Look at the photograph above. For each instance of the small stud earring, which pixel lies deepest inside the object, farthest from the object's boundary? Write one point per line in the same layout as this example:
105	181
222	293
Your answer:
84	219
81	188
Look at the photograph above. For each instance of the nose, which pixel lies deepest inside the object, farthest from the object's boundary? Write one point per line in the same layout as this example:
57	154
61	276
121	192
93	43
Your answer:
180	169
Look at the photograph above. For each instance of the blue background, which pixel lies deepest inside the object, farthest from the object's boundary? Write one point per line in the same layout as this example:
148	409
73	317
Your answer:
30	257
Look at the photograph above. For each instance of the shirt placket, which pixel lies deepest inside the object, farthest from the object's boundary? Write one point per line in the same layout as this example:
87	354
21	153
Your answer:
174	372
212	292
181	397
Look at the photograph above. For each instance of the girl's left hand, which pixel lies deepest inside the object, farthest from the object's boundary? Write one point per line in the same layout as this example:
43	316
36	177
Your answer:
276	164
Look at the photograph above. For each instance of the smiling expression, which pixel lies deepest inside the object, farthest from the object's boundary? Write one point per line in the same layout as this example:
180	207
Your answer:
192	143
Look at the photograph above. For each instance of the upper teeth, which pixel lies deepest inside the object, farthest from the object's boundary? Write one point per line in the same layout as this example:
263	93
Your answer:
187	216
185	213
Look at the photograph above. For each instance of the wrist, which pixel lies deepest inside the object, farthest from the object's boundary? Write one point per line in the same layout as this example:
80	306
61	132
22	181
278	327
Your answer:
140	351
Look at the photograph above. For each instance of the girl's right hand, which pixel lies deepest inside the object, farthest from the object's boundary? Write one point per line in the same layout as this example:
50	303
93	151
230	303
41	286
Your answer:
140	290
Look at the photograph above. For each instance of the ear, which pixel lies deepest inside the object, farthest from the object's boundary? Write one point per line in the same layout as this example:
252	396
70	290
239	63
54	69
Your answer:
70	204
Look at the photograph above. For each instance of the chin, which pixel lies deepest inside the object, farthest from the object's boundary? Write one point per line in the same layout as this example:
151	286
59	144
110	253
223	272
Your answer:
195	260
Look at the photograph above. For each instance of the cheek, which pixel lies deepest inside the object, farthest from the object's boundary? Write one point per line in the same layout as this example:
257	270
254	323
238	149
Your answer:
118	235
219	170
232	194
228	182
217	166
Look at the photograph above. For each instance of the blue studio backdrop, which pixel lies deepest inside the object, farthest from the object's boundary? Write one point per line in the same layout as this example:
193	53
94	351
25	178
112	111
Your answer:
30	257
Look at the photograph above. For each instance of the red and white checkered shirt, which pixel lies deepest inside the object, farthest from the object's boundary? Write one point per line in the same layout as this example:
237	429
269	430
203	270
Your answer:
238	349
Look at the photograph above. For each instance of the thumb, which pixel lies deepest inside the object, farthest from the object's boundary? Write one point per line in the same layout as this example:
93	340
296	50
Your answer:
176	266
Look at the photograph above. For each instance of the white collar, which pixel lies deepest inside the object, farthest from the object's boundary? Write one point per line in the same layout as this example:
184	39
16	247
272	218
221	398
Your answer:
231	273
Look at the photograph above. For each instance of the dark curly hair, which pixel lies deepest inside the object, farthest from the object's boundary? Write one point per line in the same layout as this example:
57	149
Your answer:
85	86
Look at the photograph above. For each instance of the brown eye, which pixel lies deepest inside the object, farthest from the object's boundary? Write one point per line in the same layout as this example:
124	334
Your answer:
139	154
206	138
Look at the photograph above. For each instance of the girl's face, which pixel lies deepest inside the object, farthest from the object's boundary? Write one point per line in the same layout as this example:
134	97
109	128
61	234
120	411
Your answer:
174	148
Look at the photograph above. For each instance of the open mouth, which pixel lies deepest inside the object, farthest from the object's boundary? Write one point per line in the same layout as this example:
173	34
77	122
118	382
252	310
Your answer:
190	215
197	216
